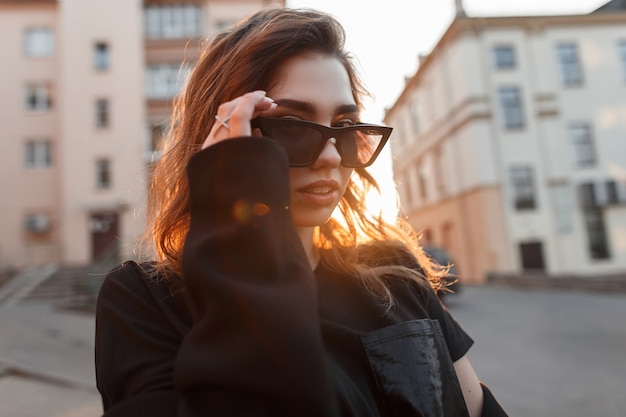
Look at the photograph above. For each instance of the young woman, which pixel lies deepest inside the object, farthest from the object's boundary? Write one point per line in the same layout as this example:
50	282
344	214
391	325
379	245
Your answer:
260	303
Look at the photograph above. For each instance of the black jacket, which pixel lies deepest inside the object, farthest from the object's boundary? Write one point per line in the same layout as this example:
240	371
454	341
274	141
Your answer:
254	331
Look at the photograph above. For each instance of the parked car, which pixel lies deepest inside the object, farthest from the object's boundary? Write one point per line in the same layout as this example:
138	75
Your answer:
443	258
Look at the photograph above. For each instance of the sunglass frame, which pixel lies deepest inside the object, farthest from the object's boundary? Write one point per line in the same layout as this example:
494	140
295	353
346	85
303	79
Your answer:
328	133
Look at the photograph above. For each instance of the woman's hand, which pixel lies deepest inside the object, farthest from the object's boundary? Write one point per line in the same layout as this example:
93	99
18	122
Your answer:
233	117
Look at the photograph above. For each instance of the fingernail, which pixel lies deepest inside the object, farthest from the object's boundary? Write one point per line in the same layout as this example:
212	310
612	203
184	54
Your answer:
273	106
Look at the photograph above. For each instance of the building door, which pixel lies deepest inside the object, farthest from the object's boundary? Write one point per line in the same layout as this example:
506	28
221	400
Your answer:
532	256
104	235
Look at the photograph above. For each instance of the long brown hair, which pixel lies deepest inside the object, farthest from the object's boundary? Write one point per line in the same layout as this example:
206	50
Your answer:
244	58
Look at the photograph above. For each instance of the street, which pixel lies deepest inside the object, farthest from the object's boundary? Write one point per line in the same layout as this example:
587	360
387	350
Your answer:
46	362
546	353
543	353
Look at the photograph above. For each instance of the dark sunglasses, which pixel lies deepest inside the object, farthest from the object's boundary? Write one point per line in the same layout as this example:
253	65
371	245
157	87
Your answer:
358	145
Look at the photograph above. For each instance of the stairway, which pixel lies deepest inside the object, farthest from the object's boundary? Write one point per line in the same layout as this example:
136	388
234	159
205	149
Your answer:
20	286
71	287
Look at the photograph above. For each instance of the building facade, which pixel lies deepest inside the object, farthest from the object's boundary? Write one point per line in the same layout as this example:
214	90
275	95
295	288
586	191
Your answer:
86	95
510	144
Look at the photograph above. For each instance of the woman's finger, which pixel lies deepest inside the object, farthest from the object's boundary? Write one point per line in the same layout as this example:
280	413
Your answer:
233	117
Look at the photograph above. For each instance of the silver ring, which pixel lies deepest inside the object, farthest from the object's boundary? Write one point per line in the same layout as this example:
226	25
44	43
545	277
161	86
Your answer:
223	122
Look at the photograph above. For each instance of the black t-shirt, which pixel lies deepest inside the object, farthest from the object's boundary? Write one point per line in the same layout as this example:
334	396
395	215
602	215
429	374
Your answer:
394	361
253	331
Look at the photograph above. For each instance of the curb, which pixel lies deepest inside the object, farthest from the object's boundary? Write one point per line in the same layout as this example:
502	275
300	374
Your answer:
602	283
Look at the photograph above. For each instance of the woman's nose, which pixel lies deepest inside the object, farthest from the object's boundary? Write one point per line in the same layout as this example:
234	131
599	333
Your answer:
329	155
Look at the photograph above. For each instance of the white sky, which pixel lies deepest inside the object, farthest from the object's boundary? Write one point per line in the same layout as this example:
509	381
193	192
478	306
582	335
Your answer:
386	36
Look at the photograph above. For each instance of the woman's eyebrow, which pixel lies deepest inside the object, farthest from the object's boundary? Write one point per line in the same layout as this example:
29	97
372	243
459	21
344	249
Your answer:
302	106
347	108
306	107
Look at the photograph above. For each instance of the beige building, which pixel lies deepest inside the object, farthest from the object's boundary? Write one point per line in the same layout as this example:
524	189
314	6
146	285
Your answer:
86	92
510	143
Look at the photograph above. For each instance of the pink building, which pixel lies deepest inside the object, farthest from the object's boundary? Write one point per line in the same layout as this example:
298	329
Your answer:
86	95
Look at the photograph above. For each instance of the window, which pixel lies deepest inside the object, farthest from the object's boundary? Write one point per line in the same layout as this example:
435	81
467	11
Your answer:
439	178
173	21
581	137
101	57
563	202
622	53
503	57
587	194
103	117
571	70
103	173
38	154
512	109
612	192
38	43
38	97
37	223
165	81
597	241
223	24
523	188
157	134
422	182
599	193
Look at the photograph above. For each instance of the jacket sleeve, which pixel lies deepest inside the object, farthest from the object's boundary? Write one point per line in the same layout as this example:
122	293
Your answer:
255	346
491	406
135	346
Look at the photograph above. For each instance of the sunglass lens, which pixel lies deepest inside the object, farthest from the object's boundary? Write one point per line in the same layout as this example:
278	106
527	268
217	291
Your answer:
358	147
300	142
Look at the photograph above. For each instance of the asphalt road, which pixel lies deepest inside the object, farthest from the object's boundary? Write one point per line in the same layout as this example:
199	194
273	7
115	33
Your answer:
543	353
46	362
546	353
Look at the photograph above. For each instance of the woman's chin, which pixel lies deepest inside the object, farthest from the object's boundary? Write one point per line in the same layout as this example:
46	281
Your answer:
305	221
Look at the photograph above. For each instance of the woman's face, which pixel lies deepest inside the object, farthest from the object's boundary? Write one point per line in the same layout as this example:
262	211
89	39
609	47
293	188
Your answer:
316	88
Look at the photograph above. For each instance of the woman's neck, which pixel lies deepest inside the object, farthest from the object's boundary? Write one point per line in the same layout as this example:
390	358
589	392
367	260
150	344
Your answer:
312	252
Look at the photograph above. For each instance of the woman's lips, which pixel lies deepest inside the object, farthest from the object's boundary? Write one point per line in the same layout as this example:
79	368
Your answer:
320	193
